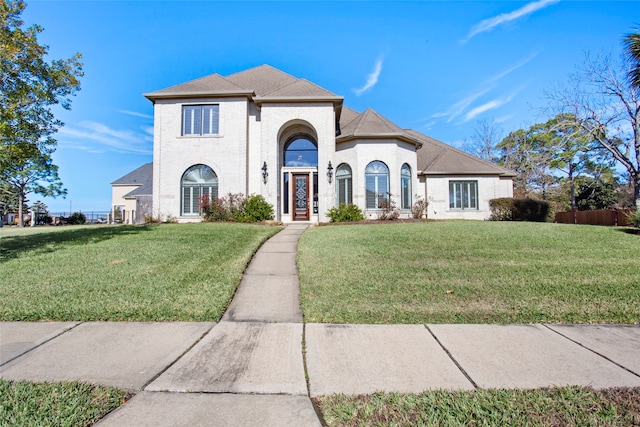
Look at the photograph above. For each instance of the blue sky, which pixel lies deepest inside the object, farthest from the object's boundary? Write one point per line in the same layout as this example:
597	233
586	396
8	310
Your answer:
433	66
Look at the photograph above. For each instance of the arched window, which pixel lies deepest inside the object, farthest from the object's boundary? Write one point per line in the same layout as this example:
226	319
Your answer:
405	186
377	181
300	151
197	181
344	184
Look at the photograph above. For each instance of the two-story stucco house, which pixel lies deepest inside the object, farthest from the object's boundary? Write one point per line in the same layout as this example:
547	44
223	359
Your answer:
262	131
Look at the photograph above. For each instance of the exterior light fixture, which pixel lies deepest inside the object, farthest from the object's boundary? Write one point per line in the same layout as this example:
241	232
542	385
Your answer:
265	174
330	172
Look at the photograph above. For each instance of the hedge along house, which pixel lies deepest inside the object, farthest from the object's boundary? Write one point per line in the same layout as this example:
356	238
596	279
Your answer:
262	131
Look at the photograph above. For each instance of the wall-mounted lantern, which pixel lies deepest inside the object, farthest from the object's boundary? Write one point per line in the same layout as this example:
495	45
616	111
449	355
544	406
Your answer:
330	172
265	174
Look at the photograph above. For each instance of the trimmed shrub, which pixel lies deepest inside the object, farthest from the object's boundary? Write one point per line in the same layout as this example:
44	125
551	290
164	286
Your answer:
223	208
77	218
634	218
419	207
254	209
510	209
345	213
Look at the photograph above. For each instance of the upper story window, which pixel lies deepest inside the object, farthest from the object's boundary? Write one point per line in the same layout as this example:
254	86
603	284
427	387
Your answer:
200	119
301	151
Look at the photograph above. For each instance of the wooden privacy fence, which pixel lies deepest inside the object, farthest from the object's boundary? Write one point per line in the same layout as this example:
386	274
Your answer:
601	217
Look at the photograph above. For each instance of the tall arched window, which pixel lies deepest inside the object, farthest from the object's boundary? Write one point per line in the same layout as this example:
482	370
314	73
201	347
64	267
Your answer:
344	184
405	186
197	181
377	182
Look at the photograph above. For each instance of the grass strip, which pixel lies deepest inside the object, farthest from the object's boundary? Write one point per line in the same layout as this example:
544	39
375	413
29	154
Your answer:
169	272
562	406
56	404
469	272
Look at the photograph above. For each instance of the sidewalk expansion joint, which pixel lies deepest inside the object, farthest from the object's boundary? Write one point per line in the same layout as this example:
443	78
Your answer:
42	343
162	371
592	350
307	378
467	376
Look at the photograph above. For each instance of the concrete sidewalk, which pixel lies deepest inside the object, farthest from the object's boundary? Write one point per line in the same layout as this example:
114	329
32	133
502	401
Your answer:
249	369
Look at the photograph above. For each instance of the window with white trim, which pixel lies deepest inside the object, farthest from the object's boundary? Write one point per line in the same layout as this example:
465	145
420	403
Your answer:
344	184
463	195
377	185
197	182
405	187
200	119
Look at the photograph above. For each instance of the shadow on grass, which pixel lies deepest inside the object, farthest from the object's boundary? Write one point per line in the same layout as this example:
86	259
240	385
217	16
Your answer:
40	243
634	231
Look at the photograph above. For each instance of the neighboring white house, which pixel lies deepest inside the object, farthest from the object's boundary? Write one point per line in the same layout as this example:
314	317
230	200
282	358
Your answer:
131	196
262	131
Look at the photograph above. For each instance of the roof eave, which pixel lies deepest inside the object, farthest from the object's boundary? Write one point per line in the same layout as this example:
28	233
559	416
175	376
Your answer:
335	100
198	94
400	137
470	173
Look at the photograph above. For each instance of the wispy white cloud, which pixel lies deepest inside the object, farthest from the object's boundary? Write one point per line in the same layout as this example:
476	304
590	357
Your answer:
458	108
488	85
491	105
372	78
133	113
490	23
98	138
513	68
503	119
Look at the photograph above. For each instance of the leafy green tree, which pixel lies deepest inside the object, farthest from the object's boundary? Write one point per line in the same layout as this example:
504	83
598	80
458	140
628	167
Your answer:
606	106
632	50
528	153
596	193
29	88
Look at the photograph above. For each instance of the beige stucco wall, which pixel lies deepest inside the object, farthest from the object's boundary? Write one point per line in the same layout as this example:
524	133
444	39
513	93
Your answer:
250	135
278	122
437	193
359	153
225	153
117	199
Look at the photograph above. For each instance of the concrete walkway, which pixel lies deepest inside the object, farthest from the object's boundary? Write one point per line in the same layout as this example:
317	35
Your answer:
249	369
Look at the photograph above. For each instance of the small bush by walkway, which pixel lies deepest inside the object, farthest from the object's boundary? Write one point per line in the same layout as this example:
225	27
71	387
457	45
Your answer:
138	273
469	272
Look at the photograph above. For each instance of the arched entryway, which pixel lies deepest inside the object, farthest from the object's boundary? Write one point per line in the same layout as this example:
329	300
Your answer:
299	174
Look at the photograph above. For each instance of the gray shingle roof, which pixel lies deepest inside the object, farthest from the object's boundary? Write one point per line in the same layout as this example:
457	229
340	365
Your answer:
143	177
438	158
268	84
262	80
265	83
370	124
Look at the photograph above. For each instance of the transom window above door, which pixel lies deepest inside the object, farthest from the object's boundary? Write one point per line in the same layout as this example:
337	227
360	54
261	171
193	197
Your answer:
301	152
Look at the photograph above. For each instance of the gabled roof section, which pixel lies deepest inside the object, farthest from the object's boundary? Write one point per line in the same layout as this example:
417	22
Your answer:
301	88
347	116
438	158
371	125
262	80
210	85
142	177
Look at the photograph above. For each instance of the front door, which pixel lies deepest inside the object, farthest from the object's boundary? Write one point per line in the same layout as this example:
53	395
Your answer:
301	199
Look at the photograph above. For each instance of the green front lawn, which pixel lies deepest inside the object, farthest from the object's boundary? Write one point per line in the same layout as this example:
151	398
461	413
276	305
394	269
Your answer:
563	406
55	404
469	272
185	272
